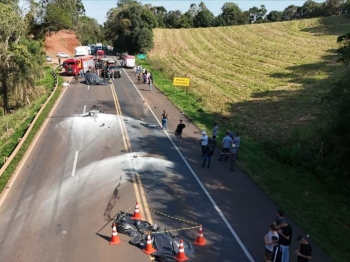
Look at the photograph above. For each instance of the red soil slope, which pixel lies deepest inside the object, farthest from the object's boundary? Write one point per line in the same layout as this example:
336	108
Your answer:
62	41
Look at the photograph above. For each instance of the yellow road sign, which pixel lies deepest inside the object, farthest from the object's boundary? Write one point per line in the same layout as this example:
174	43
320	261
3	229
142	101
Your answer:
181	81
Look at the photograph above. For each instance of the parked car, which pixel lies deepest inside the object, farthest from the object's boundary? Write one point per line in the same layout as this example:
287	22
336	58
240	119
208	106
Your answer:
48	59
63	55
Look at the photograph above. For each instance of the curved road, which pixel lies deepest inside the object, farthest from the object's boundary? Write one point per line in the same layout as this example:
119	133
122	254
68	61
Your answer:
85	168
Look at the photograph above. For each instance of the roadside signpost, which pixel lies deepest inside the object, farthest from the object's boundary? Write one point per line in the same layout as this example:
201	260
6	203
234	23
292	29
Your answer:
181	81
142	56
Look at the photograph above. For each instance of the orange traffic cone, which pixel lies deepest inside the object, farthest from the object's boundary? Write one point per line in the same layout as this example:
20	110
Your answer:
181	255
137	214
200	240
149	248
114	239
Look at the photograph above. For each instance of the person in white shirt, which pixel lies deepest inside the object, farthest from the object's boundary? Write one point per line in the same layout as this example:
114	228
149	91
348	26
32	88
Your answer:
269	243
204	141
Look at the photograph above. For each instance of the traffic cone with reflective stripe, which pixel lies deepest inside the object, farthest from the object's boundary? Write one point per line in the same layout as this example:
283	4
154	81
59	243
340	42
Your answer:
137	214
114	239
149	248
181	256
200	240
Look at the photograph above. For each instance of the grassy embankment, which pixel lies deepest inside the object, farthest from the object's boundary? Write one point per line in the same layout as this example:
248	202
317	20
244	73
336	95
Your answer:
14	125
264	81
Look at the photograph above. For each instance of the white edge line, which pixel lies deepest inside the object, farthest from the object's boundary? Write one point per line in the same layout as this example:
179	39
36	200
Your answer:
75	163
18	170
233	232
84	110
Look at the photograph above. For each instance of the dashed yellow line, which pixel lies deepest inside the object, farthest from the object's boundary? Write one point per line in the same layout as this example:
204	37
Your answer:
135	176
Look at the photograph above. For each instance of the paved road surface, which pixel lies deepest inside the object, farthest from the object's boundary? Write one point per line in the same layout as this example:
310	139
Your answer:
85	169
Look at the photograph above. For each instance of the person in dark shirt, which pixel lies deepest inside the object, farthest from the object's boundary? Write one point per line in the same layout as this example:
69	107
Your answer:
305	252
279	215
277	251
285	233
178	131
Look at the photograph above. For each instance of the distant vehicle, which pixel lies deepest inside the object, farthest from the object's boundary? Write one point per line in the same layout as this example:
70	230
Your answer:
129	61
82	51
63	55
100	53
99	46
74	65
48	59
116	71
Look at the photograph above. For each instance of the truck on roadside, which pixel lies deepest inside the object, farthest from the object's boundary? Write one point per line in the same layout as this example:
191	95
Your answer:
74	65
82	51
128	61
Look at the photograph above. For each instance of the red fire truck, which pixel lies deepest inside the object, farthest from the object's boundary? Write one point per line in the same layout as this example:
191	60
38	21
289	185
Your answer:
74	65
100	54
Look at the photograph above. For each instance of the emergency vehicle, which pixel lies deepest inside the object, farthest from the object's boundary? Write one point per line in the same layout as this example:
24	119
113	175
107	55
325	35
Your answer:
129	61
100	54
74	65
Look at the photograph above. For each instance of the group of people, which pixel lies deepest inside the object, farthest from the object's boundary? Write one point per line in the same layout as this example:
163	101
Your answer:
278	240
230	146
144	75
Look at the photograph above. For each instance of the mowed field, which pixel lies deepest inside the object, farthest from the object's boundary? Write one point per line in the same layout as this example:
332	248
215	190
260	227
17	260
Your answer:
264	78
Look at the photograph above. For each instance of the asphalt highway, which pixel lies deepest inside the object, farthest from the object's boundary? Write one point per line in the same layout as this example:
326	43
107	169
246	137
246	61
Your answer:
100	151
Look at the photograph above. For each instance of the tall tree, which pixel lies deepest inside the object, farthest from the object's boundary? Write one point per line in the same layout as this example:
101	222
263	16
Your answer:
257	15
204	18
230	13
275	16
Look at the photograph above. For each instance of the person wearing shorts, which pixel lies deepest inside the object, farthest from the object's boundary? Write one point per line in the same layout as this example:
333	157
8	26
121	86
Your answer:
178	131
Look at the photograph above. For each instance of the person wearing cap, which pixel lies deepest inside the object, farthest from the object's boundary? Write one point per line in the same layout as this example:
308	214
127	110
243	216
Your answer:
285	233
226	145
305	252
204	141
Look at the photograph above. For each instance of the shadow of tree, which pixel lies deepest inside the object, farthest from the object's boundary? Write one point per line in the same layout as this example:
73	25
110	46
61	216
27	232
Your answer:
332	25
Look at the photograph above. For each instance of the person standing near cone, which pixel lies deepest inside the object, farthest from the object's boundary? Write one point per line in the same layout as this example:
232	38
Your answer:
226	145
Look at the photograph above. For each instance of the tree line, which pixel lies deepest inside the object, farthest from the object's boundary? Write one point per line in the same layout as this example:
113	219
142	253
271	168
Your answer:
23	27
129	25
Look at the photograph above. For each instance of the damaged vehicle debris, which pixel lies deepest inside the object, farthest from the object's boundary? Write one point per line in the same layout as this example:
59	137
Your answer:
165	243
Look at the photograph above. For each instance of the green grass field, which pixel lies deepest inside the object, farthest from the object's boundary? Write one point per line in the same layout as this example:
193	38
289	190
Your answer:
266	81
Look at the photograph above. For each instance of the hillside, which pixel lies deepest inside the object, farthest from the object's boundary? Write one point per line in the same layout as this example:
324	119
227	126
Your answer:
62	41
267	79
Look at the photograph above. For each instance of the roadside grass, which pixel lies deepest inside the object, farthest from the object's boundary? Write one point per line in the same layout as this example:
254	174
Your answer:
263	89
11	142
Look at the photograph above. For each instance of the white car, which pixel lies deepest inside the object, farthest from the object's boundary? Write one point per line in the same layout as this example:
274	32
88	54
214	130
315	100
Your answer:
48	59
63	55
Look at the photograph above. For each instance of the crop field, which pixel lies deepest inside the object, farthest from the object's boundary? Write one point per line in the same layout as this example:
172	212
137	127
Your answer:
268	82
265	78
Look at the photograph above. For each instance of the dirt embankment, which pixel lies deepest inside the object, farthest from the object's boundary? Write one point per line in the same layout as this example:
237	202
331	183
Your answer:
62	41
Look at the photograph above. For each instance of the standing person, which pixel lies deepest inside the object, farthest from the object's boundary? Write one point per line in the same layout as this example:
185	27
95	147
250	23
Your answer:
226	145
285	233
233	158
164	118
269	242
237	142
59	60
204	141
150	81
215	131
277	251
145	77
76	77
305	252
279	216
208	152
139	78
178	131
230	133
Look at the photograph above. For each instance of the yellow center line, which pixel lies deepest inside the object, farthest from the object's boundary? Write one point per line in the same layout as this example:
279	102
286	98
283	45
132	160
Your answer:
135	176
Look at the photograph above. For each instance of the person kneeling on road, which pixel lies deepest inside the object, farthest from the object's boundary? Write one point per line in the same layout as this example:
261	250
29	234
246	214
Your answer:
226	145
